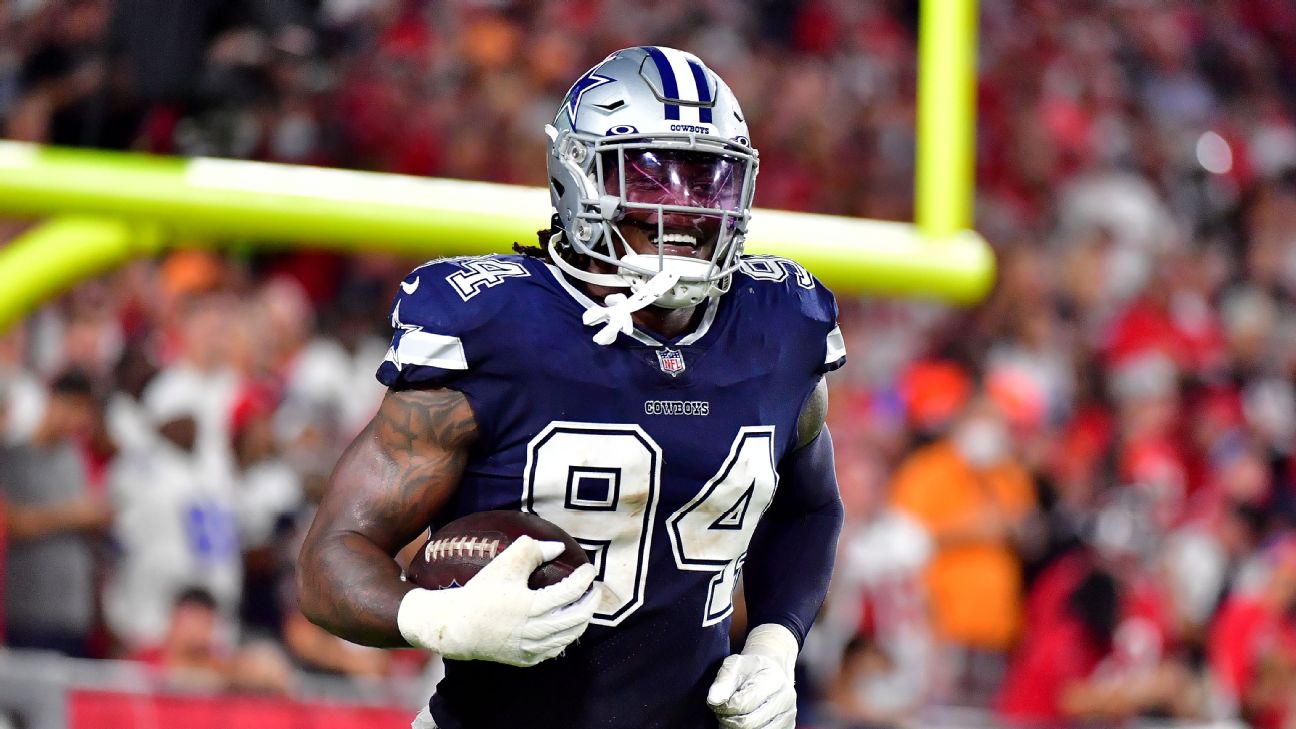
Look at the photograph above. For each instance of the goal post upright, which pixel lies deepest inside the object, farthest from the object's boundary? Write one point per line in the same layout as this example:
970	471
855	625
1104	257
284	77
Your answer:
944	172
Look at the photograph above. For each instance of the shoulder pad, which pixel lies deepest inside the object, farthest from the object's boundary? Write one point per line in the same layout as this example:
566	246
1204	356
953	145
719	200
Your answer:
440	309
448	293
791	284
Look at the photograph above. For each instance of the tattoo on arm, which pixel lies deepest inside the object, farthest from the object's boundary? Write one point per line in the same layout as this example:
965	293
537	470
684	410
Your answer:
813	413
398	472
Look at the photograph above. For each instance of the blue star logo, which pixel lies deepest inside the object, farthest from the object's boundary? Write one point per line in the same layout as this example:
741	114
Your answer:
396	323
590	80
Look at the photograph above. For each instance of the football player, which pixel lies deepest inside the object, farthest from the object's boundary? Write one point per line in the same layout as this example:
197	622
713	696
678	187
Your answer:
637	381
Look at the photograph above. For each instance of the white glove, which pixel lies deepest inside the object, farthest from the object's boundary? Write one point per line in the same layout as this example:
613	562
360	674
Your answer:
753	689
496	617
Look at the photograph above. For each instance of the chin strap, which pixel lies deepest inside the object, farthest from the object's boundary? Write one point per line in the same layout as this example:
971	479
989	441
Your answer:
598	279
617	308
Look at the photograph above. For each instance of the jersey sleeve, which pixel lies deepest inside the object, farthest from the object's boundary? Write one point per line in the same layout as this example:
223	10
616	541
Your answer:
820	307
834	344
816	307
442	321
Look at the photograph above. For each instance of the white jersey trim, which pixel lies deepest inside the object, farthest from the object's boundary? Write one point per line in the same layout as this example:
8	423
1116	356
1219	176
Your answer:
836	346
430	350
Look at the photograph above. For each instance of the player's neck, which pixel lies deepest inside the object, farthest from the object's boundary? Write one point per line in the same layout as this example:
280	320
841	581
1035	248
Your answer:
667	323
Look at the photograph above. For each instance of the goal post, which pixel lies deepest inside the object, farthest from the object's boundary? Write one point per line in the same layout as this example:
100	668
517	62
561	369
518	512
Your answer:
107	207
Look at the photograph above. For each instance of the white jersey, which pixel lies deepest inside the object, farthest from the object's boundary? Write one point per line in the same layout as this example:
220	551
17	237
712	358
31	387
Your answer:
325	374
176	528
879	583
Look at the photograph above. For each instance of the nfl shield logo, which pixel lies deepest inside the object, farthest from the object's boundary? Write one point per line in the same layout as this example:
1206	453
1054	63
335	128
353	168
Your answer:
671	361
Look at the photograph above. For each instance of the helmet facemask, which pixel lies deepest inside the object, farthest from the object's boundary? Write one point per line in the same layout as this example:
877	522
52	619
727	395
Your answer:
678	194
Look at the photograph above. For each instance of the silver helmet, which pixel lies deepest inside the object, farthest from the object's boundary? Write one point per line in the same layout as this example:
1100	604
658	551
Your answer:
652	137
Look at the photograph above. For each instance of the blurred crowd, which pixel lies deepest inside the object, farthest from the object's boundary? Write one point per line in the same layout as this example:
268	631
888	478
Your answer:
1076	501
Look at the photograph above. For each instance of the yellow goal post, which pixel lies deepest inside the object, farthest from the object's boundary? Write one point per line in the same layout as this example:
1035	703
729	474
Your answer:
106	208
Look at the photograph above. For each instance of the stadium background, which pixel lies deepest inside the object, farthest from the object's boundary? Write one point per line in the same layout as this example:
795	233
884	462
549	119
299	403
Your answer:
1075	498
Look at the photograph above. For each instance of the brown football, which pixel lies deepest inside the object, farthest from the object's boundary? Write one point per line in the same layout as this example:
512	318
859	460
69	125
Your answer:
457	551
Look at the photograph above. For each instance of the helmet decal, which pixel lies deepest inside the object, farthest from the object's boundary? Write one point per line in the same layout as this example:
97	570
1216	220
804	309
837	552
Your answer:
683	80
704	93
591	80
670	87
622	129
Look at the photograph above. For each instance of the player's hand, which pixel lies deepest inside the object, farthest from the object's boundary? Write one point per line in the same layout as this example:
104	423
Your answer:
754	689
496	617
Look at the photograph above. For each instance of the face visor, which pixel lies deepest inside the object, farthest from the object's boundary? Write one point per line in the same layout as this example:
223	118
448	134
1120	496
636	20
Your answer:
679	178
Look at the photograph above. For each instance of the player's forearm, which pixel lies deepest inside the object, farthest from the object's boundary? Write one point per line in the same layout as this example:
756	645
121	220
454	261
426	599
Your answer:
384	490
786	578
791	557
351	588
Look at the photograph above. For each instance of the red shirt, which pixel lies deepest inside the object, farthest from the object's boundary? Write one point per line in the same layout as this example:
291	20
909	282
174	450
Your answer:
1247	627
1054	656
1047	602
1142	599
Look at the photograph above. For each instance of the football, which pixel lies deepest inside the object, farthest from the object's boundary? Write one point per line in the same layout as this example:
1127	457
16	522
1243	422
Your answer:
456	551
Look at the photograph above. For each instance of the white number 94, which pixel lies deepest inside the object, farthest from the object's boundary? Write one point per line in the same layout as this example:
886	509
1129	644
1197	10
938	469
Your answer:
601	482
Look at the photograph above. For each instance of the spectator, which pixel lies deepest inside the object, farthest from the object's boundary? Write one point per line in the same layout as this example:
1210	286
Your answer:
875	625
50	514
193	651
335	372
319	650
175	525
1056	675
22	396
974	498
126	421
67	99
203	375
197	653
311	646
857	693
269	490
269	494
1252	647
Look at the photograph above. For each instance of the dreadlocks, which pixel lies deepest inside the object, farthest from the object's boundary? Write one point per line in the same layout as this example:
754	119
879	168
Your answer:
541	250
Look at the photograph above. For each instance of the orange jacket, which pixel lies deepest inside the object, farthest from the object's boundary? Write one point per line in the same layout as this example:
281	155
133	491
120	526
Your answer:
975	586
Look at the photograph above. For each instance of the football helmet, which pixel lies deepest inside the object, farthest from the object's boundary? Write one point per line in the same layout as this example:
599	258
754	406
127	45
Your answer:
652	137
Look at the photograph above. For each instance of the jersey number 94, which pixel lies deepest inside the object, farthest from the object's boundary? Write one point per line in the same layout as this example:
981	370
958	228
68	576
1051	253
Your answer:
601	483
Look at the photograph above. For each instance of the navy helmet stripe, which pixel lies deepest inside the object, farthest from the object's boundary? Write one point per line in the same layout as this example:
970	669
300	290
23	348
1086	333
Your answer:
670	88
703	92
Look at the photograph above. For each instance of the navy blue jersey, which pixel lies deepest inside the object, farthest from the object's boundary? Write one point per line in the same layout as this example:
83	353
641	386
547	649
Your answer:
658	456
